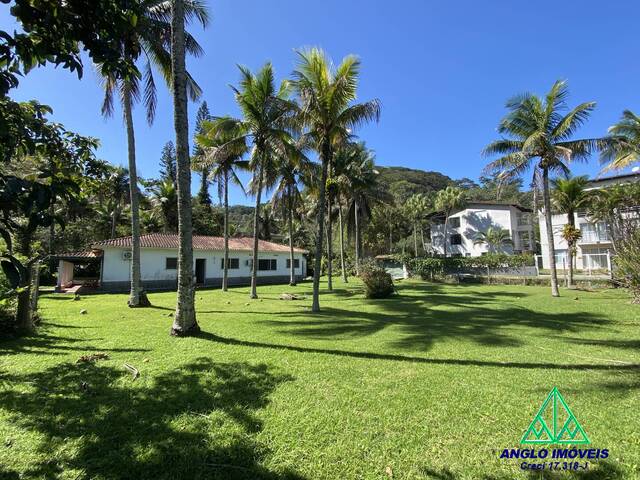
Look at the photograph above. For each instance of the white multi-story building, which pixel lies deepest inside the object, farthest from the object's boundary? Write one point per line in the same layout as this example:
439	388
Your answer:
594	247
464	226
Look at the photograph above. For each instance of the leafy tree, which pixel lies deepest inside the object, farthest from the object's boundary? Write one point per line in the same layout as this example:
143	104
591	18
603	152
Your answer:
326	96
449	201
168	162
494	238
538	136
223	166
202	116
569	195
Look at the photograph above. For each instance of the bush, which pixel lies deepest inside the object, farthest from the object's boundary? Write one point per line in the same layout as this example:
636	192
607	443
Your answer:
431	267
378	283
627	264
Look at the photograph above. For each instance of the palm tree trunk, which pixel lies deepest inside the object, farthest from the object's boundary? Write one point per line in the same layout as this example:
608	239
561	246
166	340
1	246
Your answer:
415	240
292	271
24	314
390	238
329	246
572	249
184	322
326	154
342	259
422	239
256	220
357	239
137	297
549	225
225	270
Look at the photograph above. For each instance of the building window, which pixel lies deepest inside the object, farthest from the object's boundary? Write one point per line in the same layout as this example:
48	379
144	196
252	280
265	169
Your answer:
171	263
456	239
454	222
524	219
594	232
561	258
267	264
524	240
296	263
232	263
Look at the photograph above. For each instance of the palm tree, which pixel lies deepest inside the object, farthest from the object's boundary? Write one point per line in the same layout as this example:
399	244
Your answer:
537	135
448	201
147	37
118	192
362	180
267	118
164	198
184	320
223	170
417	207
568	196
291	171
326	96
494	238
626	147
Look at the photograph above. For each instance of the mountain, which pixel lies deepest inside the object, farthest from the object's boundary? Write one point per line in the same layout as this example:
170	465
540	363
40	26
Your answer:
403	182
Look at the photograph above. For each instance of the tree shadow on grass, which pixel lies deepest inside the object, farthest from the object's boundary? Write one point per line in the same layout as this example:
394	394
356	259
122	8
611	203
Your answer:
197	421
633	367
43	343
600	470
487	318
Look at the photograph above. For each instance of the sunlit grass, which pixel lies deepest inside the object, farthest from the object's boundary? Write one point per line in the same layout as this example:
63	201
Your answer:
429	384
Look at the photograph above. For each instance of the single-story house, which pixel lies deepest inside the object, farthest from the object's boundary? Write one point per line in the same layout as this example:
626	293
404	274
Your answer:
110	263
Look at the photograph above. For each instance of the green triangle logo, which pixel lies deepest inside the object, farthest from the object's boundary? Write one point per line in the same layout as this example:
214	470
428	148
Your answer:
555	423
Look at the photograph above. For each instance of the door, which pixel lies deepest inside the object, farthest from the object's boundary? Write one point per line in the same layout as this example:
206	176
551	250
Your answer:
200	270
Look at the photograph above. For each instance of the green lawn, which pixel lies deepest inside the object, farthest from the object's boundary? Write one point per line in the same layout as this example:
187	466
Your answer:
433	383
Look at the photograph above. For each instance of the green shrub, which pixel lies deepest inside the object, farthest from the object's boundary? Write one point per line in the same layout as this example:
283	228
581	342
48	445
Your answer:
378	283
431	267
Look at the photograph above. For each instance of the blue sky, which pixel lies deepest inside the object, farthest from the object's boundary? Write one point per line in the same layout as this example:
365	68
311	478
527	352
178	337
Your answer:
442	70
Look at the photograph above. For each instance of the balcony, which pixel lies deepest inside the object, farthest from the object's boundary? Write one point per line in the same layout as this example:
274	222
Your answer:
594	233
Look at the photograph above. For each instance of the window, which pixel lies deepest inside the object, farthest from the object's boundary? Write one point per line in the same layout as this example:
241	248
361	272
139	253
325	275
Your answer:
524	240
594	232
595	258
232	263
524	219
296	263
171	263
561	258
456	239
267	264
454	222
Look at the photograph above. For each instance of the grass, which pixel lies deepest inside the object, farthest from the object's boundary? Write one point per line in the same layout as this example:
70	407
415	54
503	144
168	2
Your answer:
432	384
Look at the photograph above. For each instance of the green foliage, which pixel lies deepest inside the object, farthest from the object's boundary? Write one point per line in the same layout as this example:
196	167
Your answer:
627	264
431	267
377	282
403	182
625	151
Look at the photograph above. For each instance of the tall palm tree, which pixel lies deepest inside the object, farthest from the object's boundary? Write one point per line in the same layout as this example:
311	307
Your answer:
223	167
361	177
494	238
567	197
268	115
184	320
417	207
326	97
448	201
148	39
118	194
291	172
625	150
538	135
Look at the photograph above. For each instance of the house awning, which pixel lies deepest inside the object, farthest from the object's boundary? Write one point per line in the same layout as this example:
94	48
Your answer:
83	256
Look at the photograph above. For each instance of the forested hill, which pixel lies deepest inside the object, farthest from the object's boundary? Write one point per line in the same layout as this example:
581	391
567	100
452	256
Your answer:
403	182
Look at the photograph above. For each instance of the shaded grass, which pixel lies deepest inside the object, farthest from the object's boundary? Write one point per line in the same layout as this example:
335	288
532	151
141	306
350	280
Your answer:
432	383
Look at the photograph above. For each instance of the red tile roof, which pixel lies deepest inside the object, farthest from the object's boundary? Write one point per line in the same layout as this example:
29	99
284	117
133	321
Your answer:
164	240
84	255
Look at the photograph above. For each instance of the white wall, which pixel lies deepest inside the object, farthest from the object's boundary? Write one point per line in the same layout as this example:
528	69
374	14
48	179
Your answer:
153	264
472	221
